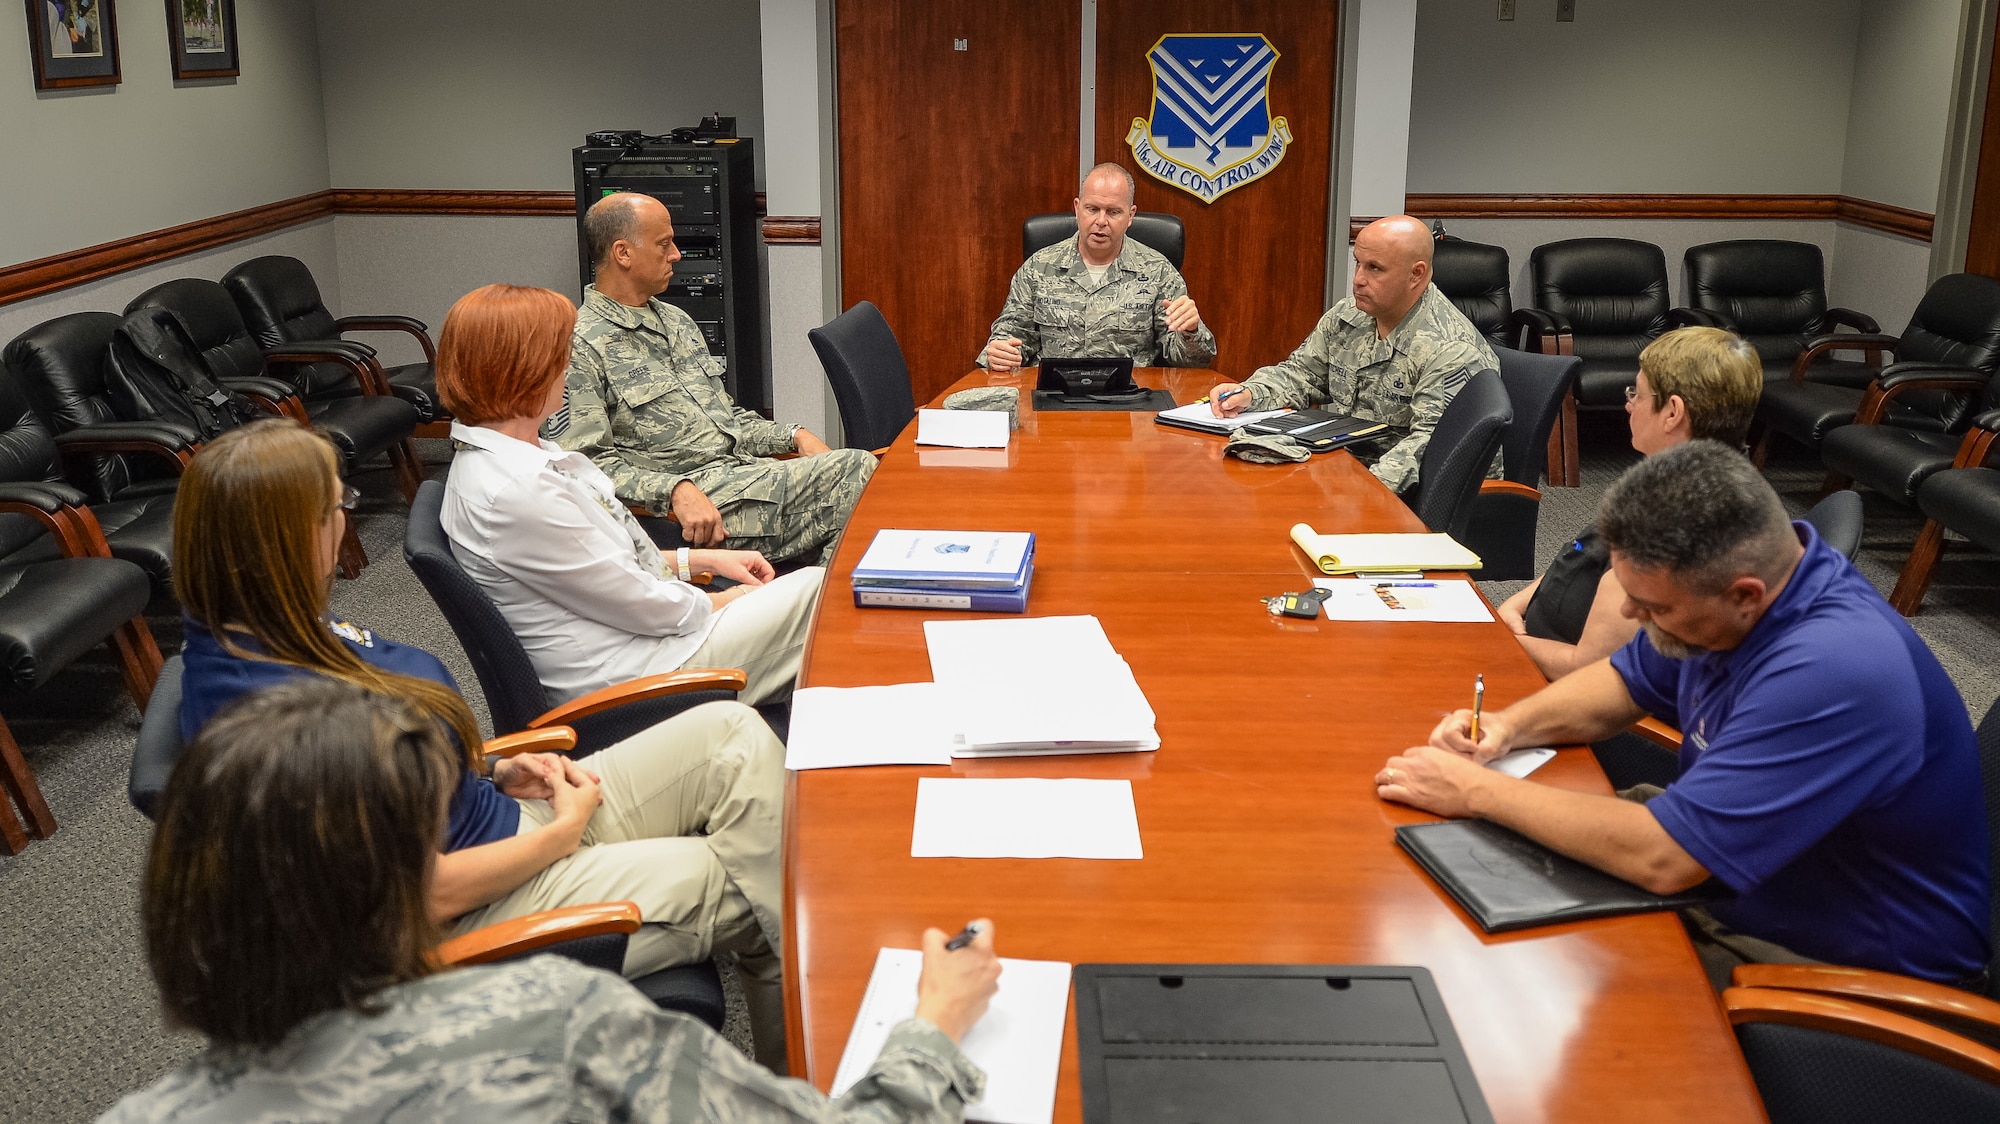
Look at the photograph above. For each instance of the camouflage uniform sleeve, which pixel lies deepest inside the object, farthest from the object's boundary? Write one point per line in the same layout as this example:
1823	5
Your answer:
1449	369
1017	317
635	1061
589	432
1177	350
1300	380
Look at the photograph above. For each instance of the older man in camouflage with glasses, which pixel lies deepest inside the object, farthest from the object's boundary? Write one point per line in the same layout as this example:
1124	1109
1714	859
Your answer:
644	401
1099	294
1395	352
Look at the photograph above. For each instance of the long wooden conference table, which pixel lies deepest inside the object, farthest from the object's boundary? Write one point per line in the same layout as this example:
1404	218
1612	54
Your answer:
1264	840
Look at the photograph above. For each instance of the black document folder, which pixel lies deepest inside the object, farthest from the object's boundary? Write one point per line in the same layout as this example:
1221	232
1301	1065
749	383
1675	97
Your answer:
1269	1044
1507	881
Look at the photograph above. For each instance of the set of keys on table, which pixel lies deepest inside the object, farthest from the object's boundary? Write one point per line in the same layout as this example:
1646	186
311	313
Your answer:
1304	604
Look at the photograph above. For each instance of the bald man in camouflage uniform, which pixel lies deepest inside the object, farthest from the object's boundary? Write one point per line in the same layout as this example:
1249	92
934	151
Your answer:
1395	352
644	400
1099	294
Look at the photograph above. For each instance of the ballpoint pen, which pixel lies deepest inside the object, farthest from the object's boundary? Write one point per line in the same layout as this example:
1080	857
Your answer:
1228	394
1478	700
965	937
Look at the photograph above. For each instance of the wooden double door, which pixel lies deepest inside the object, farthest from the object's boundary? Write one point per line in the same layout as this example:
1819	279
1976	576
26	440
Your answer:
960	118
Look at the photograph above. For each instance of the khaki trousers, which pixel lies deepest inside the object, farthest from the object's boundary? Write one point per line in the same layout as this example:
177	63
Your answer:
690	831
764	633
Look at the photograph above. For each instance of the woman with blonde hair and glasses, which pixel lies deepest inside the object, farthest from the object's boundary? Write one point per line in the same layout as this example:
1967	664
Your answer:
682	819
543	532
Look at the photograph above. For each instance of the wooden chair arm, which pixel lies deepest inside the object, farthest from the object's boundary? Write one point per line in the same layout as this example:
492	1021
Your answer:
1658	732
368	373
1859	1020
74	528
1509	488
548	739
1958	1011
1871	344
878	454
638	690
538	930
406	324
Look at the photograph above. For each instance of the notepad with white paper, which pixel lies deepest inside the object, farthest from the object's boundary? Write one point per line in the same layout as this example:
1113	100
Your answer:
1024	818
897	724
1018	1042
963	429
1347	554
1197	415
1036	685
1521	762
1369	599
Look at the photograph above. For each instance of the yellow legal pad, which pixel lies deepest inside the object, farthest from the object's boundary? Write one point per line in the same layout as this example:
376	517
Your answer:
1346	554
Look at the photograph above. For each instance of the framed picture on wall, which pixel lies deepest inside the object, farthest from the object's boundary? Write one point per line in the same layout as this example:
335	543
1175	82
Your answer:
73	43
202	36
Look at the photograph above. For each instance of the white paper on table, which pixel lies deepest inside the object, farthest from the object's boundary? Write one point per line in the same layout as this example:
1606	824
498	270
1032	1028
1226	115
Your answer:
899	724
1521	762
1356	599
1016	650
1024	818
1198	413
963	429
1018	1042
1104	709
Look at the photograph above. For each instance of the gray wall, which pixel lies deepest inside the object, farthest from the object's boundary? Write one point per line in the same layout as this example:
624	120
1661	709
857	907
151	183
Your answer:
1901	106
1636	96
101	163
493	94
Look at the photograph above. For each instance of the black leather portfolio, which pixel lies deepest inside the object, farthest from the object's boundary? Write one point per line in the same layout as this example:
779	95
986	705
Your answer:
1269	1044
1507	881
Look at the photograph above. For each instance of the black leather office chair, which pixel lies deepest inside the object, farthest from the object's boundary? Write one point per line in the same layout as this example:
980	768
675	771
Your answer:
1161	233
281	303
332	379
1943	358
1478	281
693	989
1460	450
514	694
1505	511
59	362
1895	459
61	594
871	382
1823	1060
1608	296
1964	498
1773	293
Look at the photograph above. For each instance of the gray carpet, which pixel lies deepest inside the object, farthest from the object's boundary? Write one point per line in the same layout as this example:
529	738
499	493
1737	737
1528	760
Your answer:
78	1021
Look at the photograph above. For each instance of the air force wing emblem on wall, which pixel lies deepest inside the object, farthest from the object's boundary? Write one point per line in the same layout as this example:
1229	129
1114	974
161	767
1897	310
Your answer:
1211	130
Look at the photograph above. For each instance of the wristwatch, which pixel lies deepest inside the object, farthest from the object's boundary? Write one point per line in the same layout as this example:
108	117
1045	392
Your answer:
794	437
681	570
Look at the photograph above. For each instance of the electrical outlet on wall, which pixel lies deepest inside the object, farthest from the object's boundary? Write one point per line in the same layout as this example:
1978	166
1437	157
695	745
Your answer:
1506	9
1565	11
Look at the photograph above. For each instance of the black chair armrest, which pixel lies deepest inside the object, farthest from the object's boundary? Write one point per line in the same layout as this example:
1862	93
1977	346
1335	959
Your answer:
1538	329
273	395
1860	322
62	511
164	440
367	372
1698	318
43	495
409	324
1988	420
1905	377
1874	343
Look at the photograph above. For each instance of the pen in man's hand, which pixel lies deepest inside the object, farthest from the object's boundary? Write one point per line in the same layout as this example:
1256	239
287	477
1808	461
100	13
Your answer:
1228	394
1478	700
965	937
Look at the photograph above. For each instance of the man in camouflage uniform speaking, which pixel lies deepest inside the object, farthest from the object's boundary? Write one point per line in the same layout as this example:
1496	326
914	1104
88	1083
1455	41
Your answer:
644	401
1395	352
1099	294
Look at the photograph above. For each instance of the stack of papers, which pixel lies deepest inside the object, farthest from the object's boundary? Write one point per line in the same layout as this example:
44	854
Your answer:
1197	415
985	571
1347	554
1038	685
1018	1042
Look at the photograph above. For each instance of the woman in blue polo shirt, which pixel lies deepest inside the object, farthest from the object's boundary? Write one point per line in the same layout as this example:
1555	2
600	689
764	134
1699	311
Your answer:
682	819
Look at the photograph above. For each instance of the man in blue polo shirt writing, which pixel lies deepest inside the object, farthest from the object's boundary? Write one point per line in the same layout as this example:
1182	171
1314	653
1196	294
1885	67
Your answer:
1829	774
